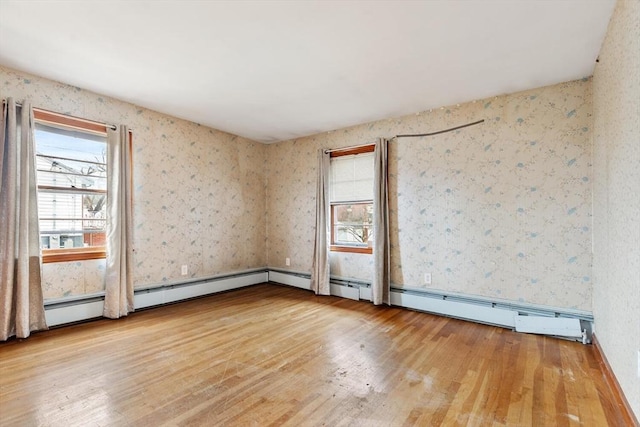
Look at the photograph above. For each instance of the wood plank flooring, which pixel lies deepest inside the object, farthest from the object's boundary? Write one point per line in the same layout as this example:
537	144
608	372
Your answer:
273	355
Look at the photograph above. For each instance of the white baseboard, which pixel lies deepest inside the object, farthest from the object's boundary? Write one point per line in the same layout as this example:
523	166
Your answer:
365	293
560	326
460	310
345	292
163	295
520	317
62	313
290	279
462	307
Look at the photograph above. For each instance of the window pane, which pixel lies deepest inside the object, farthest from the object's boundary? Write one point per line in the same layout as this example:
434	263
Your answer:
70	144
50	177
353	224
70	159
75	162
70	205
67	240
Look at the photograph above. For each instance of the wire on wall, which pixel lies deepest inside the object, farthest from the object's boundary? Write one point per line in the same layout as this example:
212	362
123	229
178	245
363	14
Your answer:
413	135
416	135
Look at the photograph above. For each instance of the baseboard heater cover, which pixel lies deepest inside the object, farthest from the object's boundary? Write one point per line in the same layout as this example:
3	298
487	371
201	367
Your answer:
153	296
64	312
345	291
291	279
460	310
572	324
61	315
560	326
300	280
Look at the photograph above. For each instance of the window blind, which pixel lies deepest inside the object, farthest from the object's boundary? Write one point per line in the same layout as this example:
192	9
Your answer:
351	178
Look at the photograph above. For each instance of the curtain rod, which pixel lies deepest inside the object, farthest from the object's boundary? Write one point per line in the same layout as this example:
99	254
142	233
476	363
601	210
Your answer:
415	135
107	125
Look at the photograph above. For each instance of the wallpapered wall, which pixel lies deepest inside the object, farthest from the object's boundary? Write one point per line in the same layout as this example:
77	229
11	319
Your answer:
616	93
199	193
502	209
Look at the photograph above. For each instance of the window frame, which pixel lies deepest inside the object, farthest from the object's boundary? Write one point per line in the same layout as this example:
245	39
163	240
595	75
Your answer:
56	119
337	247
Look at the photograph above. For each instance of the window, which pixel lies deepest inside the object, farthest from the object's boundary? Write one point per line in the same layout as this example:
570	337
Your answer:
351	199
71	164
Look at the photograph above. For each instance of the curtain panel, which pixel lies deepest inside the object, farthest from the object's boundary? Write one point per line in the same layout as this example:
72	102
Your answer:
381	284
320	266
21	301
118	300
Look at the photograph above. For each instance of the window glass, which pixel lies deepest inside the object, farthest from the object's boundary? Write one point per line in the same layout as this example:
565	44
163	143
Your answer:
351	200
72	183
353	224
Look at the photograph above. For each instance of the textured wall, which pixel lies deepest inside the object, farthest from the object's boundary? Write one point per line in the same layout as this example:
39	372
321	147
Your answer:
502	209
199	195
616	98
65	279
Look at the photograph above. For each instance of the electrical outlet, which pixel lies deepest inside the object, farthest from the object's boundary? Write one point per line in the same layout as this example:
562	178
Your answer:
638	363
184	271
287	261
427	278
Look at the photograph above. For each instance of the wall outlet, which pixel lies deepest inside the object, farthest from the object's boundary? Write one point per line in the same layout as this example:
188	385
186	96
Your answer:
638	363
287	261
184	270
427	278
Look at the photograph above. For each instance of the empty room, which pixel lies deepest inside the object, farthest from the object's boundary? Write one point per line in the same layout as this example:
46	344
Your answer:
376	213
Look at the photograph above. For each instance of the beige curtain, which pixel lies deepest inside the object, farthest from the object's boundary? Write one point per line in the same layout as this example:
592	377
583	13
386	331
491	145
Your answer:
380	286
118	300
320	267
21	303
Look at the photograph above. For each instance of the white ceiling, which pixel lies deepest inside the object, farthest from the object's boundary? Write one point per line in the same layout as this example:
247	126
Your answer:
276	70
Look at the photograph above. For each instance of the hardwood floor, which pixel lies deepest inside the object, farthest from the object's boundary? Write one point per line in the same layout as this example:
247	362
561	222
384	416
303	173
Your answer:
274	355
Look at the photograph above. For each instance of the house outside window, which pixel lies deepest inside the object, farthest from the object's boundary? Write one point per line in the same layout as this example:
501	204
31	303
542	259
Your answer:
351	199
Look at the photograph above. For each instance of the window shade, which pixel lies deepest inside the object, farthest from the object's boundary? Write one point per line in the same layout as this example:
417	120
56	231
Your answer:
351	178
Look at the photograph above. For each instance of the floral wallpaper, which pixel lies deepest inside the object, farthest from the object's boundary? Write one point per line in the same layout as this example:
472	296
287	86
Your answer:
67	279
501	209
616	94
199	194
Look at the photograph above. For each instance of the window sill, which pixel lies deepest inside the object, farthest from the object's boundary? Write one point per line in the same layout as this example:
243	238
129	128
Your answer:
352	249
75	254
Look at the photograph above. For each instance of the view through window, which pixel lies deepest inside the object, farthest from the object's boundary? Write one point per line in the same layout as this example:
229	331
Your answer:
72	191
351	199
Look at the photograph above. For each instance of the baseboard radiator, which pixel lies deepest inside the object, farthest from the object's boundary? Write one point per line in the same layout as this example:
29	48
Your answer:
91	306
570	324
565	323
